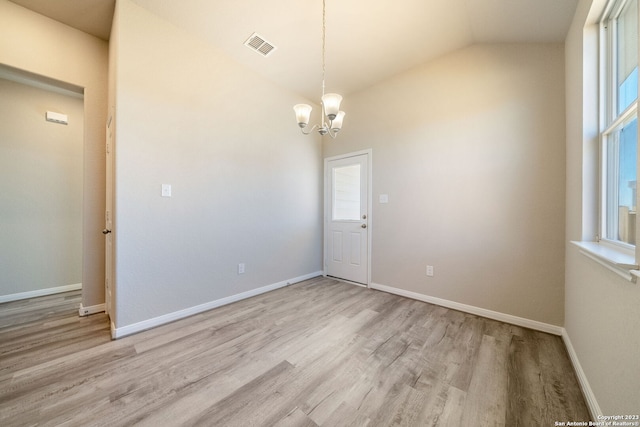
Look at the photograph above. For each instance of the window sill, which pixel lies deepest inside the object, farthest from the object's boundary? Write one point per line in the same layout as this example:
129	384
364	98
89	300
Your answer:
615	259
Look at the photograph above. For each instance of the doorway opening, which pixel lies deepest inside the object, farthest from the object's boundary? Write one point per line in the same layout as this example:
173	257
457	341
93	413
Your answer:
41	185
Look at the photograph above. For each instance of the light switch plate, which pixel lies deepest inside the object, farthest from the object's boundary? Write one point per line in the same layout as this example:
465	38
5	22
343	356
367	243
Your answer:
384	198
166	190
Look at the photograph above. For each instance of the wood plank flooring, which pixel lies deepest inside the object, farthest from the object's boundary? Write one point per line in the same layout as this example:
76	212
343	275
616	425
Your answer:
318	353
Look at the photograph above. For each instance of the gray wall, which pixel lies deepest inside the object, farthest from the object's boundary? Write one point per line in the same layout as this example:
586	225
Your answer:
246	184
40	190
470	150
31	42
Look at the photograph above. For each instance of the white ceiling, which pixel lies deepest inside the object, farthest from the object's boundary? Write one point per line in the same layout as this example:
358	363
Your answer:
367	40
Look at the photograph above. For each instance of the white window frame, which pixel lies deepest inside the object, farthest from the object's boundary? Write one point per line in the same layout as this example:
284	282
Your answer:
615	255
610	121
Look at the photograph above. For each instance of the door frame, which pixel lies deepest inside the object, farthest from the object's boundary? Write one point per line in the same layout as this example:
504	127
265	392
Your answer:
109	297
325	223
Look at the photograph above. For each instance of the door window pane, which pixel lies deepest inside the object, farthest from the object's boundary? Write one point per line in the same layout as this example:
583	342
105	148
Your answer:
346	193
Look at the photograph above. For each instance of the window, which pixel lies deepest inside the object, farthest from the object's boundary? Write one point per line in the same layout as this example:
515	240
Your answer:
346	194
619	155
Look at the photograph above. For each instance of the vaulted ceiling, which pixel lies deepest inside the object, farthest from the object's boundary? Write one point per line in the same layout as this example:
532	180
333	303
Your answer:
366	40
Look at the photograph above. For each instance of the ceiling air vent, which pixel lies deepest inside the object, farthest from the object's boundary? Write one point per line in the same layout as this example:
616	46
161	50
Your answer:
259	44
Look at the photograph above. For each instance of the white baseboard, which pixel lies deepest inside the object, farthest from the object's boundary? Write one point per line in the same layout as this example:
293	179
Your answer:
590	398
495	315
40	292
176	315
86	311
300	278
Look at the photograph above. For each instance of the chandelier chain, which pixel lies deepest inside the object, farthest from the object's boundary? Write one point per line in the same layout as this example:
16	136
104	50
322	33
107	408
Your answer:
324	31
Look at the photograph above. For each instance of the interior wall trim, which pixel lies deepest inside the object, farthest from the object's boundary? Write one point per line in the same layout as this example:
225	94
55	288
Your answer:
93	309
180	314
40	292
589	396
490	314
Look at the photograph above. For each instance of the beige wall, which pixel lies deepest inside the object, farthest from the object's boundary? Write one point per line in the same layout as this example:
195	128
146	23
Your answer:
470	150
246	185
31	42
41	188
601	309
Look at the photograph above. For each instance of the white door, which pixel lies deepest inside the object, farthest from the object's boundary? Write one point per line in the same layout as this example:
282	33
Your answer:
347	218
108	222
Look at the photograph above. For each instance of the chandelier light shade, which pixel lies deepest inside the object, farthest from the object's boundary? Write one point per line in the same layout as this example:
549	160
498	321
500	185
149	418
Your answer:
303	112
332	117
336	124
331	103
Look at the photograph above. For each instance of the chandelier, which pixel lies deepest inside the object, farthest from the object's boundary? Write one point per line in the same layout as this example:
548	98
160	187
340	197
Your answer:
331	115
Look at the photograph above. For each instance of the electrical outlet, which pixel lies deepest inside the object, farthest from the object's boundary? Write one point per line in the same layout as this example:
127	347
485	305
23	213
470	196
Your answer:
430	270
241	268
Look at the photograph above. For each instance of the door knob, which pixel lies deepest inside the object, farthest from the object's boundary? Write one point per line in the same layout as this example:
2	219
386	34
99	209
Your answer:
364	226
105	231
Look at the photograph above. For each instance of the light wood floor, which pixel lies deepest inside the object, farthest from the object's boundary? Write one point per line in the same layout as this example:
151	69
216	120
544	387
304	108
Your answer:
317	353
